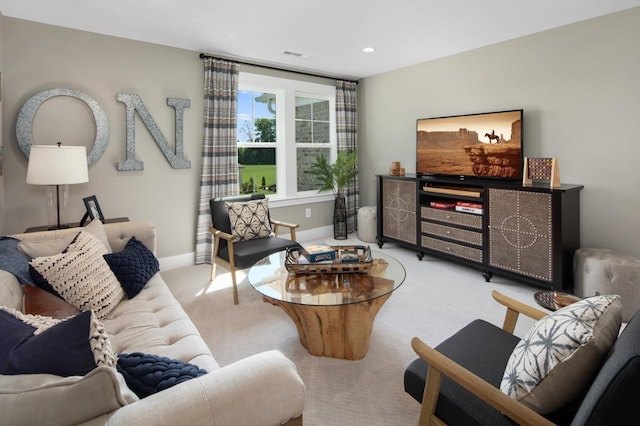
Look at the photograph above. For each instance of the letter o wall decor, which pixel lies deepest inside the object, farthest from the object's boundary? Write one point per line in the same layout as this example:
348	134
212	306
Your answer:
28	111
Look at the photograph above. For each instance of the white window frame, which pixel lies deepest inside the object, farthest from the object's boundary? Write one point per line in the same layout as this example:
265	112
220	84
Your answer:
286	92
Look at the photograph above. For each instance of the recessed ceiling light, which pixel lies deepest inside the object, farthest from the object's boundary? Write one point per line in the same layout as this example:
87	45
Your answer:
368	50
295	54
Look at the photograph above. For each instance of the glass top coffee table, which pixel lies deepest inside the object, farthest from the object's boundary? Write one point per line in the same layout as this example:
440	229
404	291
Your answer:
333	312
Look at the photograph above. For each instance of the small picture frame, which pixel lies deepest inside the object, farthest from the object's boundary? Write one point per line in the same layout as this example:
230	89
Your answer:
93	209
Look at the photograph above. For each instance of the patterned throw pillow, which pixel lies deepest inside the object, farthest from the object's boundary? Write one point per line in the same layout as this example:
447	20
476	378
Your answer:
133	266
81	276
32	344
249	220
557	359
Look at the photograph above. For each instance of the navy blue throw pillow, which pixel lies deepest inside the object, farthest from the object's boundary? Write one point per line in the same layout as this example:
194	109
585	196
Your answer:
133	266
147	374
64	349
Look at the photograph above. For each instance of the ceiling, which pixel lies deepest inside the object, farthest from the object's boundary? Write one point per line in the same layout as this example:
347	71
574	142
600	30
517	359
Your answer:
328	34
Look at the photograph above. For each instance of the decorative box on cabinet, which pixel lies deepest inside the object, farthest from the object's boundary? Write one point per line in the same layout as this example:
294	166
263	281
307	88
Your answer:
397	206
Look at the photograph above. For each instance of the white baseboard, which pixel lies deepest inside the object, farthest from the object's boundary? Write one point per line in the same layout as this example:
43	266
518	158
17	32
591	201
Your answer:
188	259
314	234
178	261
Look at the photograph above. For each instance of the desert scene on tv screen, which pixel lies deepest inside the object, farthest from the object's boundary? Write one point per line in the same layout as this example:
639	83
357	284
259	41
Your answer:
472	145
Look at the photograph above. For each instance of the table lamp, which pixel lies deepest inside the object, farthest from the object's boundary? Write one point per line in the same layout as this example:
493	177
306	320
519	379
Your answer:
57	167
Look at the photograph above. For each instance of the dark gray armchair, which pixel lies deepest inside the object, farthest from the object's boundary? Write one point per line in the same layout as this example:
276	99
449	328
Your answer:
464	374
234	254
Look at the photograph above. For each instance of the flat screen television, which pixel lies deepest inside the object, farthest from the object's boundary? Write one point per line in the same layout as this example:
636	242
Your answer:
473	146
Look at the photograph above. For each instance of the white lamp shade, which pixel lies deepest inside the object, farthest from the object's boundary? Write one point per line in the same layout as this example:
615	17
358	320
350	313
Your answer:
57	165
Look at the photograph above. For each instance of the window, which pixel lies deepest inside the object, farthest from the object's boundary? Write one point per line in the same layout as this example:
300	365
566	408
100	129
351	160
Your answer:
313	137
257	138
282	126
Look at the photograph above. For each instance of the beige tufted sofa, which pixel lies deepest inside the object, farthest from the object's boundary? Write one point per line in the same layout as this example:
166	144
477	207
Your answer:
264	389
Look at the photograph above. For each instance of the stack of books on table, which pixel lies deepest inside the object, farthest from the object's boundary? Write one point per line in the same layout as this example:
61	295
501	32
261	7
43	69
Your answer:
314	253
466	207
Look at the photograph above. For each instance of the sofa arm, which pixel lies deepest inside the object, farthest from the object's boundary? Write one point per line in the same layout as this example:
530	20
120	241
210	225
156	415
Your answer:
263	389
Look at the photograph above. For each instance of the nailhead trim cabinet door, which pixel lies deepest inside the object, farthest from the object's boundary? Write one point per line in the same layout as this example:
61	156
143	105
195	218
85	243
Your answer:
397	217
520	231
533	234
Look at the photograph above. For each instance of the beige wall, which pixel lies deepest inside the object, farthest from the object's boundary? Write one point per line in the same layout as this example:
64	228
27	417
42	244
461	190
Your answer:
41	57
579	86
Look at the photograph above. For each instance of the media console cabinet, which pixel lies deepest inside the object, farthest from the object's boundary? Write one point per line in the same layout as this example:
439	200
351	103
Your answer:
526	233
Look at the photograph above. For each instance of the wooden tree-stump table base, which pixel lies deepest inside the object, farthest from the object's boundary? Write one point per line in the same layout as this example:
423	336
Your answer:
337	331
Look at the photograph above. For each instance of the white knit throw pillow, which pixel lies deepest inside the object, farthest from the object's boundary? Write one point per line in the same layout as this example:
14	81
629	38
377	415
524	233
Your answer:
81	275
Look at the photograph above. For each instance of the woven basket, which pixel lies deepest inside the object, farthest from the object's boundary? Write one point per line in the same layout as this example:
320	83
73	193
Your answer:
361	266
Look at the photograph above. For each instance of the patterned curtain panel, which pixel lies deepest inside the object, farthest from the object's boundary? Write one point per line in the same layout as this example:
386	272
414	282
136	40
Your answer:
219	175
347	139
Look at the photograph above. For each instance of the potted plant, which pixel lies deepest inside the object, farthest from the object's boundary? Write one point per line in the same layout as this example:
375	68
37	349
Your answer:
336	177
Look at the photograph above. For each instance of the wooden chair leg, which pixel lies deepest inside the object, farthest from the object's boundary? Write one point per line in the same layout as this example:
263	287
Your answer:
213	269
232	266
235	286
214	255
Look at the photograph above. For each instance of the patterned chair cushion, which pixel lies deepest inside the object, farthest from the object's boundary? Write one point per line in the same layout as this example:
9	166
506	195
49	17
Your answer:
32	344
249	220
561	353
80	275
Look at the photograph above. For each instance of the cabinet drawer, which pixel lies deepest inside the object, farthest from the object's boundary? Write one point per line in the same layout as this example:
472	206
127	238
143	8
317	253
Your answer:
462	235
452	248
456	218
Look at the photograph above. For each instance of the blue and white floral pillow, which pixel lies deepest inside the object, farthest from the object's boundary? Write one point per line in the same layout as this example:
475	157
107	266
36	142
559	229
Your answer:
557	359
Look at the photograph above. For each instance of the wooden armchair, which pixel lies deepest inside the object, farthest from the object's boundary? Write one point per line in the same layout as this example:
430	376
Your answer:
232	252
458	382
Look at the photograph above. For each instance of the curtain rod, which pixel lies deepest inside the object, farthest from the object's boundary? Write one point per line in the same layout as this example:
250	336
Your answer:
202	56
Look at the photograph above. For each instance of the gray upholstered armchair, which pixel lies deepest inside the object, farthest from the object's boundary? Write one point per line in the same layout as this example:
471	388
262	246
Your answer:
463	377
252	236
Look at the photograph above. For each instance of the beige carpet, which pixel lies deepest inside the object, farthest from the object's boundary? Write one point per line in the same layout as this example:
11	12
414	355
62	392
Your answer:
436	299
